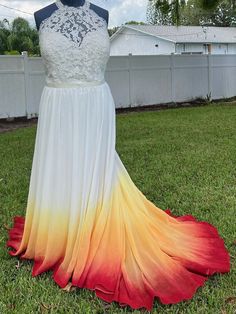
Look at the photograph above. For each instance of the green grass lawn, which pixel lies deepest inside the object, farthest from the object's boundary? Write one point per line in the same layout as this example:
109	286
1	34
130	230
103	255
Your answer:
183	159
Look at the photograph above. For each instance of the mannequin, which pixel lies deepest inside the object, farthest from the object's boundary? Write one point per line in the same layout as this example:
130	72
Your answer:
44	13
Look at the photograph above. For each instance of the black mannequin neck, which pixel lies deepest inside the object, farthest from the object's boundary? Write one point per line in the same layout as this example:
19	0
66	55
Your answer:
46	12
73	3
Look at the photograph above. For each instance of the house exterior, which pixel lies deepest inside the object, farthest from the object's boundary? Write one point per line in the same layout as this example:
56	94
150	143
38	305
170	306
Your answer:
154	40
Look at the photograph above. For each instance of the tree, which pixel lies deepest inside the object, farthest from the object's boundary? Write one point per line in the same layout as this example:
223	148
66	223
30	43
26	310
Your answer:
111	31
165	12
195	13
4	33
35	40
224	14
135	22
18	36
212	4
192	12
19	39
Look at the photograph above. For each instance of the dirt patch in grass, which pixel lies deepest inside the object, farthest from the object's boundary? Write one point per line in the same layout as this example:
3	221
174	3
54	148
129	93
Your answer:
173	105
22	122
16	123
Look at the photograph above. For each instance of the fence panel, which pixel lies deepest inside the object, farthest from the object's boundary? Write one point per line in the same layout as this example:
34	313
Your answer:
224	76
133	80
12	87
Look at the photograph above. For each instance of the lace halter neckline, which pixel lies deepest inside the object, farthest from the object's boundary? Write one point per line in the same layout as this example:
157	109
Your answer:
75	44
86	5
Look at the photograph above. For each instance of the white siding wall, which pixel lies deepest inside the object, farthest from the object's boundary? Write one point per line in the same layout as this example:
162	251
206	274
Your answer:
219	49
224	48
194	48
134	80
232	48
137	43
216	48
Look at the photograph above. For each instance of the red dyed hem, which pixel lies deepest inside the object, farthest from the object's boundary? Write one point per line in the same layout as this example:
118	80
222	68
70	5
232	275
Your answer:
199	274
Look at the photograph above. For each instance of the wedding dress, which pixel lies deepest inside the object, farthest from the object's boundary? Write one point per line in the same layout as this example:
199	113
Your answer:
85	219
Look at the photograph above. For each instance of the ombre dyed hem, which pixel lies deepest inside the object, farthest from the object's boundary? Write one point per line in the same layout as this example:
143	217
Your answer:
136	254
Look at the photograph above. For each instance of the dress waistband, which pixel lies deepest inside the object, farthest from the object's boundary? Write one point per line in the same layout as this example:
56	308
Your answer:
75	84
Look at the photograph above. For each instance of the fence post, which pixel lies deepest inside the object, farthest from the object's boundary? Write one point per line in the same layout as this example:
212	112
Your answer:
209	63
172	74
129	63
26	79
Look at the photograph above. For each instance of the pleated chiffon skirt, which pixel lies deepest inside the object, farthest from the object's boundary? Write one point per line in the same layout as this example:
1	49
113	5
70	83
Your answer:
87	221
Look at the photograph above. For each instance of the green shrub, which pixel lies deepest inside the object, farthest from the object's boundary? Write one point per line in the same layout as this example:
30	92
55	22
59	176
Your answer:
12	52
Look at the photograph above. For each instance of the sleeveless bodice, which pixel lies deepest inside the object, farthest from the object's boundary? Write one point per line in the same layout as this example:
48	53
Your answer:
74	44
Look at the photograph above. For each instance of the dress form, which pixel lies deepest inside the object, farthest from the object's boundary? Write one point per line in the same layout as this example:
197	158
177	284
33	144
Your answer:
74	3
47	11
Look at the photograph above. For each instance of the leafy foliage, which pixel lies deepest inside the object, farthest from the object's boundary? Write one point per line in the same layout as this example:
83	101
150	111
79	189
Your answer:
18	36
222	15
192	12
165	12
209	4
4	33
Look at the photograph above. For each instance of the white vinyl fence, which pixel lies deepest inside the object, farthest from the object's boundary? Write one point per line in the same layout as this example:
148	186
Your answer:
134	80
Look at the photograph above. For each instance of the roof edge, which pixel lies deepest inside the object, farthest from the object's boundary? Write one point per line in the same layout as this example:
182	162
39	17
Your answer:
138	30
116	33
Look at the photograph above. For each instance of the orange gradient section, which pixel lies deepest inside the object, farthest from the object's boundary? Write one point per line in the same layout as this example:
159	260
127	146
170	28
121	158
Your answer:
126	249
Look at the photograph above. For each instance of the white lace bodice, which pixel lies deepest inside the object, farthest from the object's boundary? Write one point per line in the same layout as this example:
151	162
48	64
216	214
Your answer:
74	44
